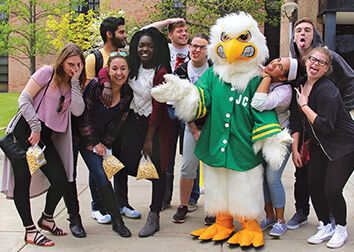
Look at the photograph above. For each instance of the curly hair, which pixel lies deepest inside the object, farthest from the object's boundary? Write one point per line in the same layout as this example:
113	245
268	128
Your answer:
161	55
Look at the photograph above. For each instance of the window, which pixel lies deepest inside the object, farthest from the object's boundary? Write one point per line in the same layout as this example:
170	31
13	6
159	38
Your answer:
176	9
88	5
4	62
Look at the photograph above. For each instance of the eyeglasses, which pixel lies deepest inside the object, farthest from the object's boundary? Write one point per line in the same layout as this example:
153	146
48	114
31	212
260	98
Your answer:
60	106
121	53
195	47
320	62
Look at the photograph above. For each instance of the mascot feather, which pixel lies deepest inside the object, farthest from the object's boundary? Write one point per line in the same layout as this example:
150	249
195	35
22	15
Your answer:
234	135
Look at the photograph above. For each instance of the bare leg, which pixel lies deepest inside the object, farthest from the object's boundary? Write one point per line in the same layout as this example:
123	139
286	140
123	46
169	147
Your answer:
185	189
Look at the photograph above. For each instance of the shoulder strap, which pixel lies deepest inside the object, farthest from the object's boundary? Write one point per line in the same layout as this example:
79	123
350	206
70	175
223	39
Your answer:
98	61
51	77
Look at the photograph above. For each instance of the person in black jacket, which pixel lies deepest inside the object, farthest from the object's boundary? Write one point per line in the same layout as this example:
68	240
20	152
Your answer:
305	38
331	147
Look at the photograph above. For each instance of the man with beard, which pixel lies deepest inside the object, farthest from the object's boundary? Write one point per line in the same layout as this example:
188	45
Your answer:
305	38
114	37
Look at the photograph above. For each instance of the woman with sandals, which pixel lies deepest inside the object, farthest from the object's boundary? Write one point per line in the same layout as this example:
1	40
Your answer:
51	95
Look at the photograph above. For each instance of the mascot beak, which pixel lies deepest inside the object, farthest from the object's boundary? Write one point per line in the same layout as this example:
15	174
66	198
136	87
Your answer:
234	49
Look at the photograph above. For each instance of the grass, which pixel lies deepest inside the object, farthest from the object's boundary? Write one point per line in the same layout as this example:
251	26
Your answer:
8	108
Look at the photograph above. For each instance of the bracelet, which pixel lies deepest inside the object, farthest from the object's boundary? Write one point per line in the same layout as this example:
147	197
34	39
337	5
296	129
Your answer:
107	87
303	105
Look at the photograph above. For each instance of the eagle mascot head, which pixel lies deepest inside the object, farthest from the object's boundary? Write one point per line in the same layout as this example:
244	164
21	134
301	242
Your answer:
237	47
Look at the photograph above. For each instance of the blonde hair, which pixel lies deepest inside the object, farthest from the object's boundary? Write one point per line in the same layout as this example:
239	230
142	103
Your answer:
67	51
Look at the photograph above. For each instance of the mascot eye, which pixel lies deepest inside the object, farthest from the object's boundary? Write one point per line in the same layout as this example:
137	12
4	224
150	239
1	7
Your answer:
244	37
224	37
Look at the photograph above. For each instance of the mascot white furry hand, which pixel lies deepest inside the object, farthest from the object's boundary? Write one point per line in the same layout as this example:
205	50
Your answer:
234	133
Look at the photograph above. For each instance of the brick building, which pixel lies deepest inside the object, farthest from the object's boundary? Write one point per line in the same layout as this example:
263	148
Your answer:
333	18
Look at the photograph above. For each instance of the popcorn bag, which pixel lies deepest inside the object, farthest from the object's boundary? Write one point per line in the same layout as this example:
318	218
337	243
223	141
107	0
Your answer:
35	158
111	164
146	169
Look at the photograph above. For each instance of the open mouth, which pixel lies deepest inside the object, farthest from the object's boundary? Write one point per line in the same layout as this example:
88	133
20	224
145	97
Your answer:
248	52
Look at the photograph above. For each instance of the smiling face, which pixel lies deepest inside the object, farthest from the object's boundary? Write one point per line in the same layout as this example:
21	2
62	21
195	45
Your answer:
118	71
146	51
303	35
317	65
198	51
278	69
71	64
179	36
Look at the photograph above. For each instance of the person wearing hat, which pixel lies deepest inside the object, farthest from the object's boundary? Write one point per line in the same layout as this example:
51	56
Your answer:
275	92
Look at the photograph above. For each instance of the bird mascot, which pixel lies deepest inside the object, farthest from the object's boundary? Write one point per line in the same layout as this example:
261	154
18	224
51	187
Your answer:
234	135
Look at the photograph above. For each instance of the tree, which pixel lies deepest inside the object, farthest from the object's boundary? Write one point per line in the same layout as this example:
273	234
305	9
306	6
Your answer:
83	29
22	34
201	15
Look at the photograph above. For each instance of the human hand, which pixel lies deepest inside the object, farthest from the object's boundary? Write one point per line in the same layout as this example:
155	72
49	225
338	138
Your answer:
301	98
77	70
296	159
34	138
147	149
100	149
107	96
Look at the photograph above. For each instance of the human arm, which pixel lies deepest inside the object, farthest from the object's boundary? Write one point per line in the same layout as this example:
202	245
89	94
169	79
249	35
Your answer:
147	148
90	63
302	100
163	23
195	131
105	80
343	77
77	102
295	150
86	125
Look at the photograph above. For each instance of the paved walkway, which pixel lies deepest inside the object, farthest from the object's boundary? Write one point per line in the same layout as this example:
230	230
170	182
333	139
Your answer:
171	237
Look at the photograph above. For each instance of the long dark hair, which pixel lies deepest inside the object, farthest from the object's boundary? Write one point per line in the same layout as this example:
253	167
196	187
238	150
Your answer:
161	55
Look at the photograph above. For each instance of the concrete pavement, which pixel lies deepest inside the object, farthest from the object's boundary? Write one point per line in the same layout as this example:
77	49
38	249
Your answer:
171	237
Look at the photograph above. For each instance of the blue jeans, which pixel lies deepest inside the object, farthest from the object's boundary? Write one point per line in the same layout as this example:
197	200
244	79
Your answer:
272	186
97	177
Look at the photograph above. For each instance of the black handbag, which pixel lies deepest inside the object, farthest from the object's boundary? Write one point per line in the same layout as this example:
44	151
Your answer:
11	147
9	144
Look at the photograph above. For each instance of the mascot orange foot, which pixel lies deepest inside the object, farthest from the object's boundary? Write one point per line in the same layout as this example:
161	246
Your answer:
251	234
221	230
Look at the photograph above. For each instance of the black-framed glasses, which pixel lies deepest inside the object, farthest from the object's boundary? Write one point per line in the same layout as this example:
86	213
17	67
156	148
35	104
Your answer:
195	46
60	106
320	62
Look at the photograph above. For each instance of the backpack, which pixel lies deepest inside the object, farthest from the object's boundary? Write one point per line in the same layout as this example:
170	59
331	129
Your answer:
98	61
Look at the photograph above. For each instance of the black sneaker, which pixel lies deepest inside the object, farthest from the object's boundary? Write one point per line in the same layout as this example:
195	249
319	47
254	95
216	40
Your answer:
209	220
180	215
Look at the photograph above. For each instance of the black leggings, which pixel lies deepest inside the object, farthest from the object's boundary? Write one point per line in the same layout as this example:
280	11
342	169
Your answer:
326	180
53	170
130	154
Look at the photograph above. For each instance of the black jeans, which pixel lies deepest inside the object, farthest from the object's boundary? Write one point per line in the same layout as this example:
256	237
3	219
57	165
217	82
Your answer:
53	170
326	180
130	154
301	191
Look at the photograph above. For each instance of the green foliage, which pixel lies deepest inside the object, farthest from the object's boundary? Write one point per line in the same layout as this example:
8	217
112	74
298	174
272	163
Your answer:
201	15
23	35
8	108
83	29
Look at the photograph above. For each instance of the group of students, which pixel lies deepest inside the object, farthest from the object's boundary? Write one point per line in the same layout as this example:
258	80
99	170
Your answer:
113	109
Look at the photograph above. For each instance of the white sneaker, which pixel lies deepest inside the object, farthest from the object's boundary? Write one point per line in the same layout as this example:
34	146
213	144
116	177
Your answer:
102	219
339	237
324	233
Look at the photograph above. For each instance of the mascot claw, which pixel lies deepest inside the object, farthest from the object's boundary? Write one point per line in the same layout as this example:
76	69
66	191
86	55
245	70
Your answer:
174	89
250	235
219	231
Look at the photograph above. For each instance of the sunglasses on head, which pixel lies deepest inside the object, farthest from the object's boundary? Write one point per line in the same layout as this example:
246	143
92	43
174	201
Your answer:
60	106
121	53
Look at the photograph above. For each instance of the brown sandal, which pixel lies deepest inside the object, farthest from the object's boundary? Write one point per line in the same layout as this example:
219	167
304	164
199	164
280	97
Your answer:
54	229
39	239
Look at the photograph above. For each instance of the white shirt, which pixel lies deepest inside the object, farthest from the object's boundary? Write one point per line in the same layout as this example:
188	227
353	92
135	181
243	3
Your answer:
141	103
